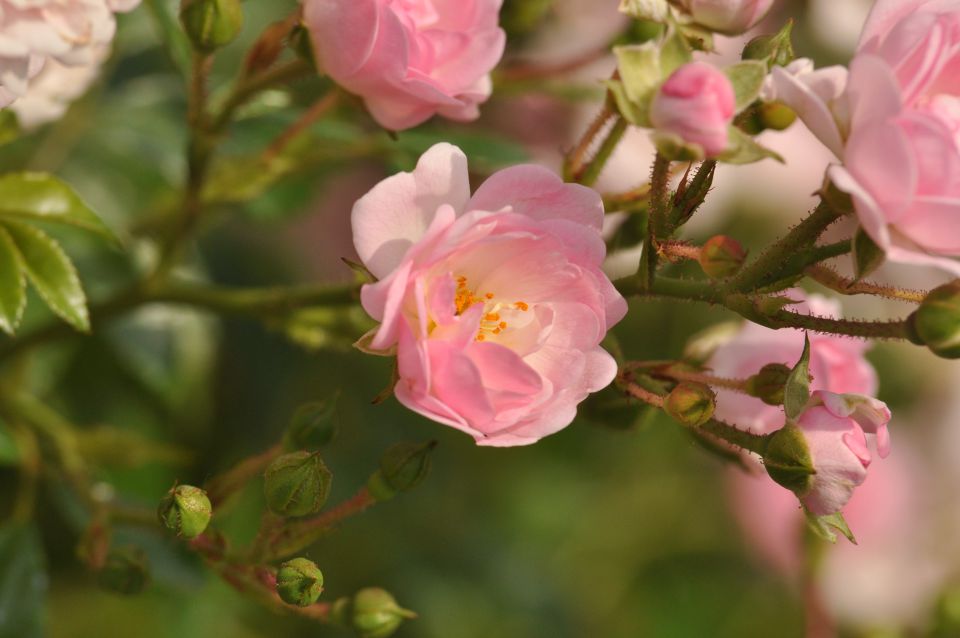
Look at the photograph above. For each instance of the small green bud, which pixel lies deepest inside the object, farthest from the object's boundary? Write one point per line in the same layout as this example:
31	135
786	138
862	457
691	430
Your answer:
775	50
402	468
768	384
787	460
691	403
776	116
376	613
211	24
125	571
721	257
297	484
313	426
299	582
185	511
937	321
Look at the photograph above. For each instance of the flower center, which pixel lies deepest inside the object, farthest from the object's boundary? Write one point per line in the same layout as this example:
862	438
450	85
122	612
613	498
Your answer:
492	322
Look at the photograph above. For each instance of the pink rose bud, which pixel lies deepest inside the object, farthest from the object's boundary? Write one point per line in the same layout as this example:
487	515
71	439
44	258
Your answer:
495	303
696	104
835	429
409	59
731	17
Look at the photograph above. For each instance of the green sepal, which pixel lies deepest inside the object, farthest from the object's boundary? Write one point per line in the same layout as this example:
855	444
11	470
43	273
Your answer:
823	526
867	256
796	392
747	80
743	149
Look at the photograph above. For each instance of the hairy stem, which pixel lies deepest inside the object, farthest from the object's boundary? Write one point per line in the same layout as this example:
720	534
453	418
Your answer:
591	172
834	281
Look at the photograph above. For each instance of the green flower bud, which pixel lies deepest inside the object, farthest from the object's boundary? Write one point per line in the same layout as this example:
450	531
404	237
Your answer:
211	24
787	459
313	426
297	484
125	571
402	468
691	403
776	50
185	511
376	613
299	582
937	321
776	116
721	257
768	384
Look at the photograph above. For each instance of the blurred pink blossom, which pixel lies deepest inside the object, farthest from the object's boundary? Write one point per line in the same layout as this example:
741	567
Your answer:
409	59
495	303
34	32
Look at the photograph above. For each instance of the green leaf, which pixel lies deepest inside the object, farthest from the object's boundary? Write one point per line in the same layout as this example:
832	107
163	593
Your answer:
747	80
743	149
867	256
9	126
639	69
23	582
674	52
52	273
9	453
796	393
823	526
633	113
13	285
39	196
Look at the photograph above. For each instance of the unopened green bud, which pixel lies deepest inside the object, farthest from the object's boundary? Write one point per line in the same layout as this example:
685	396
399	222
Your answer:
211	24
402	467
125	571
297	484
691	403
721	257
768	384
313	426
776	116
299	582
185	511
776	50
787	459
936	323
376	613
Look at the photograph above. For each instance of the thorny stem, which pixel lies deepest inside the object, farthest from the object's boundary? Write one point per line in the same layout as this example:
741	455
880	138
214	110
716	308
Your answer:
677	251
576	159
678	373
222	486
659	181
836	282
592	170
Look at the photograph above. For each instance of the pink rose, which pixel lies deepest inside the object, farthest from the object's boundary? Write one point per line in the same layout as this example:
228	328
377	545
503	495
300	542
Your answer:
835	428
409	59
495	303
72	32
897	128
731	17
837	364
695	104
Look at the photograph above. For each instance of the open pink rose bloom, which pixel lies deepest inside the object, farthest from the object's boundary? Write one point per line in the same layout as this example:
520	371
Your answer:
409	59
496	303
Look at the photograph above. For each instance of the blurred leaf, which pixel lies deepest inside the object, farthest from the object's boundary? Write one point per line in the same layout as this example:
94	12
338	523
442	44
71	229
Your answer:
52	274
23	582
13	284
743	149
118	447
747	80
39	196
171	33
796	393
486	151
9	454
823	526
9	126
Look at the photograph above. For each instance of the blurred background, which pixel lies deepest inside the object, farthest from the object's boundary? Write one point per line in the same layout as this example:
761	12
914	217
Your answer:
618	526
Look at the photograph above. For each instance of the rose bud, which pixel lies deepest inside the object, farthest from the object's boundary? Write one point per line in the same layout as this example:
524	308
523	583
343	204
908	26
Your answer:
402	467
696	104
937	321
825	455
185	511
211	24
731	17
691	403
376	613
299	582
314	425
721	257
768	384
297	484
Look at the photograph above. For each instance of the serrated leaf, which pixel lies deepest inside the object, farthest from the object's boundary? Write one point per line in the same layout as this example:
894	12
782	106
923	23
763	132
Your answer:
867	256
23	582
40	196
747	80
52	274
823	526
743	149
13	285
796	392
